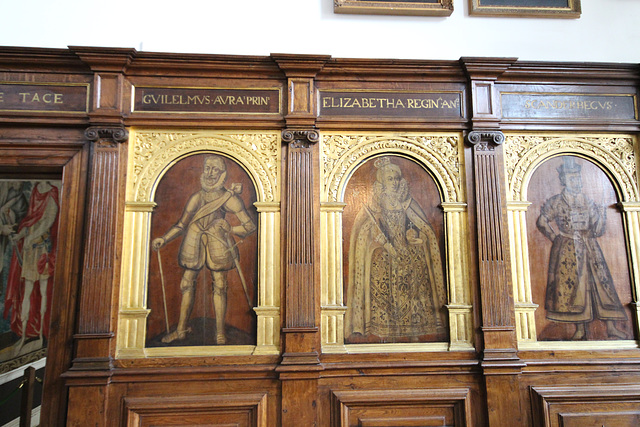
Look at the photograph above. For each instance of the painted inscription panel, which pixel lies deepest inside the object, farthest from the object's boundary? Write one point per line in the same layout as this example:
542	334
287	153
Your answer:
203	265
575	231
70	98
29	212
393	254
390	104
568	106
204	100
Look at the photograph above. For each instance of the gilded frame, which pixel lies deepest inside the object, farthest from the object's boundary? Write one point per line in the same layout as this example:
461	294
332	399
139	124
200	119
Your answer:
442	155
151	154
398	7
514	8
523	154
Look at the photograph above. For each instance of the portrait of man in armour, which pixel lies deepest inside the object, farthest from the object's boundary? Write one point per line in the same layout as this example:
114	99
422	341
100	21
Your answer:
212	232
395	284
580	287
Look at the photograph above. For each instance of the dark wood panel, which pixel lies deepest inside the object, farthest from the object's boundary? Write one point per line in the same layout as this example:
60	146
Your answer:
401	408
51	153
246	410
493	384
586	406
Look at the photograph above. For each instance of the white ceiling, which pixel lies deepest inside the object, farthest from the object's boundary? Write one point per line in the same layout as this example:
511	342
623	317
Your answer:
607	31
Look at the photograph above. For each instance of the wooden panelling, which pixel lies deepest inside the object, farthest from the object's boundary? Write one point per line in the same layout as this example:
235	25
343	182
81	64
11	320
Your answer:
401	408
53	153
242	410
586	406
490	377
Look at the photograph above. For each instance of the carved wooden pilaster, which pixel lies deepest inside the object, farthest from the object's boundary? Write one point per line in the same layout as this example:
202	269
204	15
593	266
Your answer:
493	254
300	365
500	363
300	253
301	326
300	362
95	329
106	175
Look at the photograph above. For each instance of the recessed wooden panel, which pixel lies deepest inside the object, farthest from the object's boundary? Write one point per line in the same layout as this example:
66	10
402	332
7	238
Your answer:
591	406
625	419
377	104
568	106
401	408
44	97
212	410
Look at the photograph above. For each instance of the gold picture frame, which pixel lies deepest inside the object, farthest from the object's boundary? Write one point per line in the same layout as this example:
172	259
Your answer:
441	155
524	154
526	8
395	7
153	153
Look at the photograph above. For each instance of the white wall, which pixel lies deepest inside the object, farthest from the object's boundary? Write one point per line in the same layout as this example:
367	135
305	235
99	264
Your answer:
608	30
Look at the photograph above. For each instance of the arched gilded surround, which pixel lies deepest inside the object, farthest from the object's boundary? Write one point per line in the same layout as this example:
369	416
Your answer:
151	154
615	156
442	155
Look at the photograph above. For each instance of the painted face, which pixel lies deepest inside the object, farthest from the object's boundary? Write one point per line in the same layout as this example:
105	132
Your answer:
391	180
573	182
213	169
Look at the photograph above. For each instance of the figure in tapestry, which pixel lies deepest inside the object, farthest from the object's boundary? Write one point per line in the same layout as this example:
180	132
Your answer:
580	287
33	243
395	284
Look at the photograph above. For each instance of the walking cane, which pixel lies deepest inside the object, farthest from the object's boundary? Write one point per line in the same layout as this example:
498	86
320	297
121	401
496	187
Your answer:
164	295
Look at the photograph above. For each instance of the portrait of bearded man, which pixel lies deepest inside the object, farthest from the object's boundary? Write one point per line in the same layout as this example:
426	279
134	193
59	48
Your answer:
580	287
208	241
396	286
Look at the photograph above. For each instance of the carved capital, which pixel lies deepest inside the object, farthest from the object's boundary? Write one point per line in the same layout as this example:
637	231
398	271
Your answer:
485	139
110	133
300	138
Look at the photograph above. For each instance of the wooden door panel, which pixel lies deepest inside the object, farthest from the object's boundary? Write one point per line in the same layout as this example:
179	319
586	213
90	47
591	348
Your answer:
401	408
241	410
586	406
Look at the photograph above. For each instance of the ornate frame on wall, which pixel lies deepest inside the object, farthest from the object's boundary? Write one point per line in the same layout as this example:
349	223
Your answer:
530	8
396	7
442	155
523	154
151	154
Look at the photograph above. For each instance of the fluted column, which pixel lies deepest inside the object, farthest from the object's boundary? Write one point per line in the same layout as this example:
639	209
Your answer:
631	213
520	274
500	362
300	255
300	365
133	314
459	306
95	329
493	258
333	309
268	310
300	362
94	339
